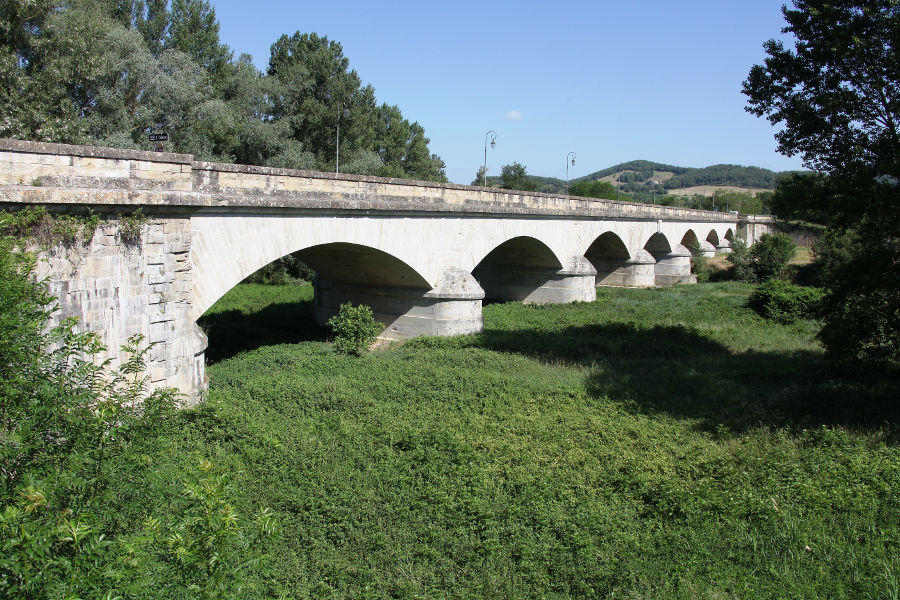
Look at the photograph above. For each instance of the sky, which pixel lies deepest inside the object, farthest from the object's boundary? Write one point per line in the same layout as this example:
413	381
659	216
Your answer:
609	81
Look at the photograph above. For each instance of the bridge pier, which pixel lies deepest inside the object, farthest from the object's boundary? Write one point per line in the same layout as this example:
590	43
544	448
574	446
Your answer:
539	285
638	271
452	308
707	249
673	267
723	247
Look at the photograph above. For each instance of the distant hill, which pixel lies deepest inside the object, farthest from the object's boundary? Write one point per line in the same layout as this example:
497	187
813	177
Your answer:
643	178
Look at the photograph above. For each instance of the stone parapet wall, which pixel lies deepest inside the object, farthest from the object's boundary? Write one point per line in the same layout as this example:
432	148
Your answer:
112	177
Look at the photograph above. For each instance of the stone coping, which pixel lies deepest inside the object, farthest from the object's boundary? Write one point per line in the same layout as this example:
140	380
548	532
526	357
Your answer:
10	145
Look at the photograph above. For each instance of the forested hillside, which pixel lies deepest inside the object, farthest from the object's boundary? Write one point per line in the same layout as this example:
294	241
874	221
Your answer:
718	187
109	72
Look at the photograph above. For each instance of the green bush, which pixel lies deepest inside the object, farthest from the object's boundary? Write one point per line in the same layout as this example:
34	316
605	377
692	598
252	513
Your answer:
770	255
699	266
70	423
785	303
767	258
354	328
742	265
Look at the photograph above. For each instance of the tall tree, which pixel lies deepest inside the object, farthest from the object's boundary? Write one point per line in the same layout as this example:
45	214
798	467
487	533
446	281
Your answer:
836	98
514	177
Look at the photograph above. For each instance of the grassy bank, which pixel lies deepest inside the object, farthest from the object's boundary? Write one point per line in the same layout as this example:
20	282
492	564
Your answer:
653	444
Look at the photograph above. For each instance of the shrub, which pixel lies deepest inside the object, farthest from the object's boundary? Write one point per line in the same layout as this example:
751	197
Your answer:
131	226
699	266
784	302
740	259
770	255
767	258
354	328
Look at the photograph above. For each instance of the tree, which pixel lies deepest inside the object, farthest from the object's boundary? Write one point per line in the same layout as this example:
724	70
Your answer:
836	98
479	176
514	177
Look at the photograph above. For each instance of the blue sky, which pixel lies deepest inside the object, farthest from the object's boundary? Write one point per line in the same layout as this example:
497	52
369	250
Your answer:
610	81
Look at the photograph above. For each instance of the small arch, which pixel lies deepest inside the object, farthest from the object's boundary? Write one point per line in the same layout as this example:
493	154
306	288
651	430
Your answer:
609	256
690	240
729	235
658	245
515	269
713	238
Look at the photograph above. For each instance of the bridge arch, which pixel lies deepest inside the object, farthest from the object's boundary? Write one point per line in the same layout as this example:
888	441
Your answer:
608	254
526	269
690	239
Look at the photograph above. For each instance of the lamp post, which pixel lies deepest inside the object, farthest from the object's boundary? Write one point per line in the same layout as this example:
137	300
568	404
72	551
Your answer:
337	144
572	154
493	135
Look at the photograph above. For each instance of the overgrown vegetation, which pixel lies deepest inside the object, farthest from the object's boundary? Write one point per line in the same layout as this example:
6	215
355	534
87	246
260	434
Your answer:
785	302
655	443
46	230
74	437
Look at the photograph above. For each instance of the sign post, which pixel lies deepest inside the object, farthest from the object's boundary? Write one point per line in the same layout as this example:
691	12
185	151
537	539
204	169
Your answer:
159	138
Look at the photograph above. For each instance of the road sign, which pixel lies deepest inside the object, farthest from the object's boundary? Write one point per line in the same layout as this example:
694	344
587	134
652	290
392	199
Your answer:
159	137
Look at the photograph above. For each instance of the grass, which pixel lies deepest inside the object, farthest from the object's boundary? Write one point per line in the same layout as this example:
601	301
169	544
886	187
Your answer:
654	444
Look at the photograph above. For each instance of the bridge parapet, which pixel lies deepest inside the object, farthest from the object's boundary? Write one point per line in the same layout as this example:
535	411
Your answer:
34	172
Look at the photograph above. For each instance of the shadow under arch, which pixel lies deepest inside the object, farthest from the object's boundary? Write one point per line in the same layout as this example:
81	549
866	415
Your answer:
516	270
609	256
690	239
345	272
673	264
658	245
713	238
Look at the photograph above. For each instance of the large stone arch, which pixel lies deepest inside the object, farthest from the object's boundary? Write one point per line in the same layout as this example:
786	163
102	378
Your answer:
226	249
525	269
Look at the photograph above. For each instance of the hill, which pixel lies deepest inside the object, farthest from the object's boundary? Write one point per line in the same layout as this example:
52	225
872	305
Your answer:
641	179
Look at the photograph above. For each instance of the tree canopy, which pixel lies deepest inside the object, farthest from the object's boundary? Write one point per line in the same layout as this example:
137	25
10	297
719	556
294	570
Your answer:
835	97
107	72
515	177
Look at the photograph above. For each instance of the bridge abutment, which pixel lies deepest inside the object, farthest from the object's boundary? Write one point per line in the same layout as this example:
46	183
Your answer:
120	286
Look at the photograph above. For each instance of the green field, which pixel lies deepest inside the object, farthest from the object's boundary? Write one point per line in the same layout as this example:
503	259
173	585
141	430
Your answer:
659	443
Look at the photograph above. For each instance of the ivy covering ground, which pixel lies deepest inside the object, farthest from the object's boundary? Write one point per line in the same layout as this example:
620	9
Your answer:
655	443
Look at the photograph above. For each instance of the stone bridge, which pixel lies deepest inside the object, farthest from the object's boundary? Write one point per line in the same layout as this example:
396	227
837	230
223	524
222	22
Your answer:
423	255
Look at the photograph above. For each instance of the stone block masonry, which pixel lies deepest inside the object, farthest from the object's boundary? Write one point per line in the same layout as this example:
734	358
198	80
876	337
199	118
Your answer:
120	290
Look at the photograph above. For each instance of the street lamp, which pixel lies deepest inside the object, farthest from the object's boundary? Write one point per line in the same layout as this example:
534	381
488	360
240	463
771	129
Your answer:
572	154
337	145
493	136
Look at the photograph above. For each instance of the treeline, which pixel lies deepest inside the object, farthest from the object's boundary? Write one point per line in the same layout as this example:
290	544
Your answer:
736	175
109	72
